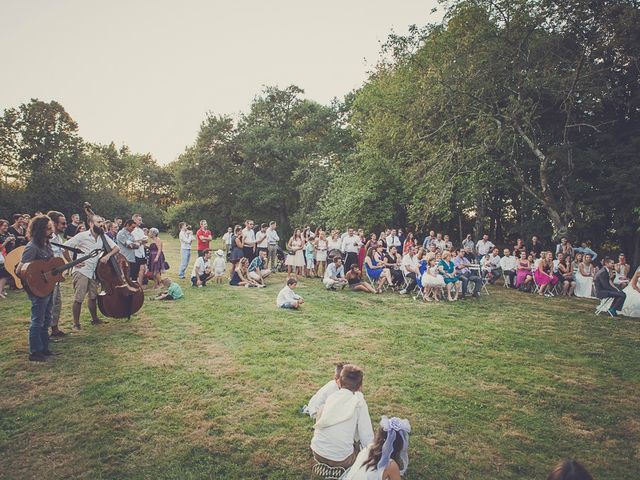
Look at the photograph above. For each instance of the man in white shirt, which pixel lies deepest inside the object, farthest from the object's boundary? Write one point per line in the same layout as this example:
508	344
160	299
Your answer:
350	246
439	242
483	247
509	266
334	275
262	242
226	240
272	245
410	269
141	239
84	274
394	241
59	227
201	272
320	397
343	421
186	239
249	235
287	298
491	265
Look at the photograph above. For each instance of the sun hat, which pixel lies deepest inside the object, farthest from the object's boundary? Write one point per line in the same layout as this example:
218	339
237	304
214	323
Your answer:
219	253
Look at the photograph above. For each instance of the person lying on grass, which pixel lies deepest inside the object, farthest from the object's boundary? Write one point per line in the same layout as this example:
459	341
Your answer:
287	298
343	419
320	397
387	456
173	292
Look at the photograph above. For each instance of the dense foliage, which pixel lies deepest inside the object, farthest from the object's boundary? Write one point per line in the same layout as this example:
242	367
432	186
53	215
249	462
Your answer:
46	164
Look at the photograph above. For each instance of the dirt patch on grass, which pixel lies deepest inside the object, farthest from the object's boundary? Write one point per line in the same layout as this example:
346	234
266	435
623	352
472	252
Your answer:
33	389
577	428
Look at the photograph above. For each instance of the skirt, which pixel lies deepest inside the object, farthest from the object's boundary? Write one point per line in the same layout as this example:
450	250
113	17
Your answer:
321	255
296	260
542	279
431	281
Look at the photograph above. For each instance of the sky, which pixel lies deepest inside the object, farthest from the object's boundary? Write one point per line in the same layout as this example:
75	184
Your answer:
146	72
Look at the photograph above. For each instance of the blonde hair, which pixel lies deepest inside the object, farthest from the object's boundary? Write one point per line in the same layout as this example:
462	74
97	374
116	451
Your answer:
446	255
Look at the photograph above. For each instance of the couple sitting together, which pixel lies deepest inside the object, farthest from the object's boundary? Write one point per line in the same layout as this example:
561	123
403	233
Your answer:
343	436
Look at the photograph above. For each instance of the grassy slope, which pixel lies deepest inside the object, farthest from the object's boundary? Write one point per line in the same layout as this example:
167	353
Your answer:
209	387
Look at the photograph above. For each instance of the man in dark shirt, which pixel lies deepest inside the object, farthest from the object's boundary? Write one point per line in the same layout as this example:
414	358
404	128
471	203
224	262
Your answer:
19	230
535	246
72	228
40	231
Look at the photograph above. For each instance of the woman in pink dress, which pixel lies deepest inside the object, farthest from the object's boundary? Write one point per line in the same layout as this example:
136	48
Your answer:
544	275
523	272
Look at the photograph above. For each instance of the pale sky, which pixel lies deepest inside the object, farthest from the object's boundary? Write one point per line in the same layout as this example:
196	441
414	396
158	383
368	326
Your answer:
146	72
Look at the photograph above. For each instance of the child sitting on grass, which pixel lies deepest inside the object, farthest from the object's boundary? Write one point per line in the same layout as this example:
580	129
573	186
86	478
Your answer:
320	397
287	298
174	292
219	266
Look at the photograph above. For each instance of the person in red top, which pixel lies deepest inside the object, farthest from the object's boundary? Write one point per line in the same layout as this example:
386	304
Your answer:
204	237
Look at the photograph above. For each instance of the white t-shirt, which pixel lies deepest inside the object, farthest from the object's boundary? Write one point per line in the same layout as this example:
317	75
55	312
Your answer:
320	397
219	265
286	295
86	242
199	267
262	239
409	261
484	247
186	239
508	263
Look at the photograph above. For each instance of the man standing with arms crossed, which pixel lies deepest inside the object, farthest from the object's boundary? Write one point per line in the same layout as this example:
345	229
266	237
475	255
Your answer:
204	237
249	248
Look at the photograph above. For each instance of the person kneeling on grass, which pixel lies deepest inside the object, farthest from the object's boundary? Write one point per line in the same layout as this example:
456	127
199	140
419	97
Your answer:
342	421
334	275
287	298
320	397
201	270
174	292
387	457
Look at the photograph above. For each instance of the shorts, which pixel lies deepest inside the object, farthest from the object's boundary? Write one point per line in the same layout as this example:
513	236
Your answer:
168	297
310	264
255	276
84	286
288	305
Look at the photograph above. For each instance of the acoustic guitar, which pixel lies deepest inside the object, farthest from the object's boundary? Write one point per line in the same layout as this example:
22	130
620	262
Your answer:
40	276
11	261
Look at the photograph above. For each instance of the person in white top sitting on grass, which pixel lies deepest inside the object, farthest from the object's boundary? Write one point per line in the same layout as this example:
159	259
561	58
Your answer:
320	397
342	421
287	298
219	266
387	458
334	276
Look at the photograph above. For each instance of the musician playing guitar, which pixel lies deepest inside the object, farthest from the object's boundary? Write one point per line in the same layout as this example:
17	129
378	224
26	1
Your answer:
84	274
40	231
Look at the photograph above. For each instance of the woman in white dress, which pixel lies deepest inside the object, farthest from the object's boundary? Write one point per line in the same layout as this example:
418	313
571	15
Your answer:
334	244
387	457
295	254
631	307
322	247
584	278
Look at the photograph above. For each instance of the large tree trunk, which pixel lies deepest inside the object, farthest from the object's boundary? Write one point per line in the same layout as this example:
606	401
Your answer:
478	228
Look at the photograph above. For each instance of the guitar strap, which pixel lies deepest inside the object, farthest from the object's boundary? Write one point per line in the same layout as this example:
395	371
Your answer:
75	251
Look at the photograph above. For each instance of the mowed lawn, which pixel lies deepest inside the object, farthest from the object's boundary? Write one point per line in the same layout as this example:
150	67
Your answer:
210	386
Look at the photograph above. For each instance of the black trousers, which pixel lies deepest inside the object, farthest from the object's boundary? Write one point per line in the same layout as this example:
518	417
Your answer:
249	253
134	270
349	259
511	275
411	277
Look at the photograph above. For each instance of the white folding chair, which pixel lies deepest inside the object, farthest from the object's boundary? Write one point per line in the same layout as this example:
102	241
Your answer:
505	280
604	306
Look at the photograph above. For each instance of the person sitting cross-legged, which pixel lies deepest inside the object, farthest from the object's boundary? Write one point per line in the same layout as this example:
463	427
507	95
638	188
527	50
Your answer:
491	266
287	298
343	421
387	457
334	276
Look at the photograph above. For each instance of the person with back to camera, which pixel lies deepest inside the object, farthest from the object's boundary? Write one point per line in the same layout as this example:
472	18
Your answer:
569	470
320	397
343	419
387	457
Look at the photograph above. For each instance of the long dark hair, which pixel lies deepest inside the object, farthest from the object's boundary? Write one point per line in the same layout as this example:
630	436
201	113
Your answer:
569	470
375	453
37	231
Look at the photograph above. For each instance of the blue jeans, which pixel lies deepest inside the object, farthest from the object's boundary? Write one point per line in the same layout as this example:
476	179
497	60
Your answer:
41	315
184	262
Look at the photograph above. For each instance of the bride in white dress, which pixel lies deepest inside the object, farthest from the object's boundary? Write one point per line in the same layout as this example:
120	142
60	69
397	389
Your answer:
584	278
631	307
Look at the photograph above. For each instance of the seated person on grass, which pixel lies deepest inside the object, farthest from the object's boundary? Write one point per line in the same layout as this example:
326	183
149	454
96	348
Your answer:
257	268
287	298
354	278
240	276
334	276
387	457
201	270
342	421
320	397
219	266
173	292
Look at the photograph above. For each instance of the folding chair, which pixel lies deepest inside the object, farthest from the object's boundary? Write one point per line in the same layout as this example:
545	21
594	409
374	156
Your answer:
419	293
322	471
505	280
604	306
483	277
375	283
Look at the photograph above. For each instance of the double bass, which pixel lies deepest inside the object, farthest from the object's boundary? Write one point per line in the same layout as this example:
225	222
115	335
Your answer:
120	297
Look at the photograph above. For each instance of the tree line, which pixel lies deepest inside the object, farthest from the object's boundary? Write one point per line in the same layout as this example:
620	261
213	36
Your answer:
510	117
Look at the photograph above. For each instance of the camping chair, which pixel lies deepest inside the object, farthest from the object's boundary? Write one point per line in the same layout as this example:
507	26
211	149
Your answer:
322	471
604	306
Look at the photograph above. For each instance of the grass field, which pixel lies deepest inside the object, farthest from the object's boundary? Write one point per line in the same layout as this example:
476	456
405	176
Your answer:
210	386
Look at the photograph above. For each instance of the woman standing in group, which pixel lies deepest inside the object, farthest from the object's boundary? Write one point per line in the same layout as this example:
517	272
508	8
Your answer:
333	245
295	254
408	243
155	261
322	247
237	247
362	251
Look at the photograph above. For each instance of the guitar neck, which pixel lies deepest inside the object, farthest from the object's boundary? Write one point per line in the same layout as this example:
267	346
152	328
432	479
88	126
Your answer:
75	262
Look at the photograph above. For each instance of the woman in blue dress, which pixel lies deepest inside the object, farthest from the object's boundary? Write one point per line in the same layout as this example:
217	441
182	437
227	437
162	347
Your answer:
447	270
376	268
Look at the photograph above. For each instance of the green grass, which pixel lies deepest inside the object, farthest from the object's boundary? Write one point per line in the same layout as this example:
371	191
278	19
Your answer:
210	386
